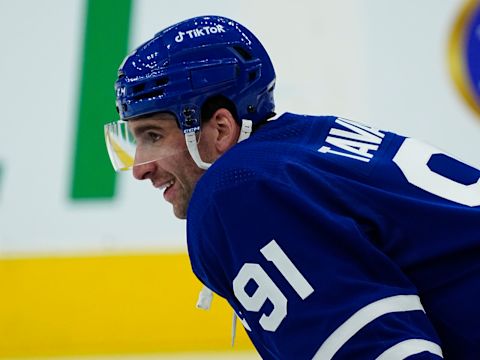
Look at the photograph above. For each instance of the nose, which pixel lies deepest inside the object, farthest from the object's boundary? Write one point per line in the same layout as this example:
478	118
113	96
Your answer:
144	171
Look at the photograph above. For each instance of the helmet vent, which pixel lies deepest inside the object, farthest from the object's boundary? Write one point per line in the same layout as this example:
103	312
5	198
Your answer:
244	54
138	88
149	94
162	81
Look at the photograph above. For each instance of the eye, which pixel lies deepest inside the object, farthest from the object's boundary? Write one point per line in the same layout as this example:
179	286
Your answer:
153	136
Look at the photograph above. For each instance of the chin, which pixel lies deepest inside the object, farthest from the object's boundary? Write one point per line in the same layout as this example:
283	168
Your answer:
180	213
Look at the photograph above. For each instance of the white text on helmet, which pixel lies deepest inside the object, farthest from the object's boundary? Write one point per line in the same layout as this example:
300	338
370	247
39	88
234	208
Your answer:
121	91
206	30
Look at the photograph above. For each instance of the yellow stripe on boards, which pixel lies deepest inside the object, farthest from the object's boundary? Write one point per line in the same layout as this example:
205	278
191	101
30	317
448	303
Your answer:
108	305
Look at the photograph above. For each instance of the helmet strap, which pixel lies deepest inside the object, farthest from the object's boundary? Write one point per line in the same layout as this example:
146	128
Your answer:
246	130
191	141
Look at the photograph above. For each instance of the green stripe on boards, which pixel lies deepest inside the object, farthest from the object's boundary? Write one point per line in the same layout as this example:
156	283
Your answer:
107	25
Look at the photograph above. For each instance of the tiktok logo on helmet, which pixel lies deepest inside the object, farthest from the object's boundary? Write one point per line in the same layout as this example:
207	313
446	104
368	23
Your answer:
193	33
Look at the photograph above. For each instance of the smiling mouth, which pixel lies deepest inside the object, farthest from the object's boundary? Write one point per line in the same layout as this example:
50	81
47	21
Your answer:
165	186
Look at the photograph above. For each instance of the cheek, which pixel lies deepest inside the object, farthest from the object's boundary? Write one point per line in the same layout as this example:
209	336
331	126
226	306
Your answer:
190	171
207	150
183	165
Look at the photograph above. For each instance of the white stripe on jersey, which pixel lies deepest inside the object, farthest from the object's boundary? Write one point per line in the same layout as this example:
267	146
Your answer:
407	348
367	314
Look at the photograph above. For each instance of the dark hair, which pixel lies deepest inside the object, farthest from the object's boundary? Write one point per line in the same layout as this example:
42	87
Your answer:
214	103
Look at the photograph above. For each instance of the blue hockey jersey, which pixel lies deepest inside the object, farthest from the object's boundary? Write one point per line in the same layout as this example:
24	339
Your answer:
334	240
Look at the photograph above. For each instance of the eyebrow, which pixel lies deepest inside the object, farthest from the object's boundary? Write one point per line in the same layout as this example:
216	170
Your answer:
143	128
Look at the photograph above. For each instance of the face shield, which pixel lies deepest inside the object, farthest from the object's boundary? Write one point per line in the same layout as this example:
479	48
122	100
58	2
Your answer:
121	145
127	151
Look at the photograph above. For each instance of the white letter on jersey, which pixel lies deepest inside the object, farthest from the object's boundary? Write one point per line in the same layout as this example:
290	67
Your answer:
356	143
352	146
412	158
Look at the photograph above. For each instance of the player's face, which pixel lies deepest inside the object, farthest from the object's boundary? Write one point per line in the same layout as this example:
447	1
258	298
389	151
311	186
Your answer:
162	157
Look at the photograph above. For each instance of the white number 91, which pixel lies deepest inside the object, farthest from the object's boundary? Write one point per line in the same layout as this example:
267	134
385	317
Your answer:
266	288
412	158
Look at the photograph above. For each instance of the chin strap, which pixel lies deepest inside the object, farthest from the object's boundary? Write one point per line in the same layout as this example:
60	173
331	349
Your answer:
191	140
192	146
246	130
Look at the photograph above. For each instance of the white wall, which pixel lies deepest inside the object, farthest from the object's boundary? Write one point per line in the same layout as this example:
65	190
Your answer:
379	62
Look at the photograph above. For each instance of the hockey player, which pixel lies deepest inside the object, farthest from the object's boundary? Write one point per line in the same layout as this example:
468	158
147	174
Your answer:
329	238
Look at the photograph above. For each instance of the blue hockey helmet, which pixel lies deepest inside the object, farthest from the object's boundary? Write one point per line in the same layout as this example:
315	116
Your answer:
191	61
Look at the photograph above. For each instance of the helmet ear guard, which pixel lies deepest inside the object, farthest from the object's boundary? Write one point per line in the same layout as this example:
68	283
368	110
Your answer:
185	64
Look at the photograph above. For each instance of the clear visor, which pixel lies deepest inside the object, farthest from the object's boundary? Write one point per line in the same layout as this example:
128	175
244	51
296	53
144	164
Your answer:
121	145
126	151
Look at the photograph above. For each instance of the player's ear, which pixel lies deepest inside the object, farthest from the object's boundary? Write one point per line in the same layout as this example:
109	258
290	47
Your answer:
226	130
